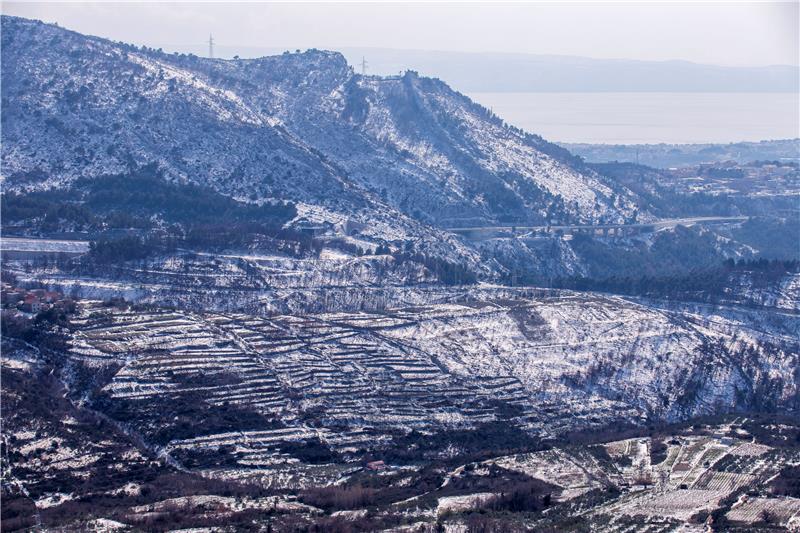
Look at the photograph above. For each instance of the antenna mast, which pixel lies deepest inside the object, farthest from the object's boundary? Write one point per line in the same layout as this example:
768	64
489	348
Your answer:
363	66
210	46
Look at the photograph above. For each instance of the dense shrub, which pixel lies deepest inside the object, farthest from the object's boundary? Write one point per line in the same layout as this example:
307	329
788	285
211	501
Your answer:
118	250
658	451
708	284
447	272
489	439
312	451
146	192
338	498
526	497
142	200
788	482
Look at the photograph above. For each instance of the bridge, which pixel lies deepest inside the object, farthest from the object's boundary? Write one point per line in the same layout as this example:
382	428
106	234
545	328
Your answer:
485	232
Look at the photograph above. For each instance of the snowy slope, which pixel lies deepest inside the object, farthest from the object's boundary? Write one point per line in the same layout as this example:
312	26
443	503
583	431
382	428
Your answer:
302	127
565	361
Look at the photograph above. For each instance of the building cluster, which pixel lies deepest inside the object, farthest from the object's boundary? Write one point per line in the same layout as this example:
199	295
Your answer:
730	178
29	300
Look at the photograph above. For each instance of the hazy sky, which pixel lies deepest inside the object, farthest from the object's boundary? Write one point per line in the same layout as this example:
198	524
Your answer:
723	33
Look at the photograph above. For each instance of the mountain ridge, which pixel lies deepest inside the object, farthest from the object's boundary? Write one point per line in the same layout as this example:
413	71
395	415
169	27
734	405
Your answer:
302	127
509	71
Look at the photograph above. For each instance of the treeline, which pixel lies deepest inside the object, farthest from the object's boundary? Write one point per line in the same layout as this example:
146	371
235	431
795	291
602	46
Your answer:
40	330
162	420
778	267
47	209
704	284
154	216
475	444
684	250
237	235
144	200
128	248
670	253
772	237
114	251
447	272
146	192
526	497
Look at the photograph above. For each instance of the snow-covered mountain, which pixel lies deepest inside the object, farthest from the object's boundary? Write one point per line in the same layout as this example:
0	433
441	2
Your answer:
301	127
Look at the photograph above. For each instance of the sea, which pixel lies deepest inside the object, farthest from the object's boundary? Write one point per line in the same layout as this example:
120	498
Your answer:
649	117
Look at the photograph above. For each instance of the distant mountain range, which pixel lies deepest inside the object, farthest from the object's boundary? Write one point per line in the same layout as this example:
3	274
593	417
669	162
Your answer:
508	72
504	72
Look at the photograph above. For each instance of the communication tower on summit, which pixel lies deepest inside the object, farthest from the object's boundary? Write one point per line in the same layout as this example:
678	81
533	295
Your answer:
363	66
210	46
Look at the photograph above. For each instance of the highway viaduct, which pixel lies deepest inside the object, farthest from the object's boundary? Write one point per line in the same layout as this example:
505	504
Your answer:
486	232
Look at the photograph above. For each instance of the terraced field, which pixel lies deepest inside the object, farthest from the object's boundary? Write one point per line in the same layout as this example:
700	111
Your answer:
291	404
356	381
342	369
623	486
699	474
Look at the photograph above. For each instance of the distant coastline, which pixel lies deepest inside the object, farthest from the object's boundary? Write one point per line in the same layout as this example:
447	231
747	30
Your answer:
508	72
676	155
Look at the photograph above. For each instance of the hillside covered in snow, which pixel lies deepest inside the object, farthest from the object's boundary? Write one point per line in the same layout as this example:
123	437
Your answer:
275	294
300	126
520	405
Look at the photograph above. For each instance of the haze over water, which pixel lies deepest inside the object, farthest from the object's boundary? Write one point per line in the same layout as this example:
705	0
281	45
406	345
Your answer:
649	117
